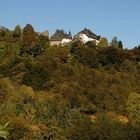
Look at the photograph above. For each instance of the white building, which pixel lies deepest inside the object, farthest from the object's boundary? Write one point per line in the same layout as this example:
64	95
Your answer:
86	35
65	40
86	39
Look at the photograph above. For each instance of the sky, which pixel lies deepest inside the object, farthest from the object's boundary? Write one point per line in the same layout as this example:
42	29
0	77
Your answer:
107	18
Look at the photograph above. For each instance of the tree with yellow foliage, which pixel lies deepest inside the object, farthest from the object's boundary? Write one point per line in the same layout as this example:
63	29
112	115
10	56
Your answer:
103	43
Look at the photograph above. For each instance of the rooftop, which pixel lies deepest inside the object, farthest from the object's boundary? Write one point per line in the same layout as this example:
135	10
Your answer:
89	33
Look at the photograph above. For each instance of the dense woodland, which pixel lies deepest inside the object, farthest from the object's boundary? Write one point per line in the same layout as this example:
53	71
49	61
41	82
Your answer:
72	92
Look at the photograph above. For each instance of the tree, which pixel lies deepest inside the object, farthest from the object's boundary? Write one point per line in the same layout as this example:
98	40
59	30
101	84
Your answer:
2	33
114	42
108	129
28	39
86	56
6	41
62	55
103	43
41	42
136	53
70	35
81	128
6	36
59	35
133	108
115	56
17	32
120	44
91	44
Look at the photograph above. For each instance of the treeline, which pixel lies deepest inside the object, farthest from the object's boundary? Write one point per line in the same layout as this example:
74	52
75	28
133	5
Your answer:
73	92
23	41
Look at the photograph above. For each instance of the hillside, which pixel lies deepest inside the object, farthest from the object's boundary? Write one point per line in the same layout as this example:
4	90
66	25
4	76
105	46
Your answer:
72	92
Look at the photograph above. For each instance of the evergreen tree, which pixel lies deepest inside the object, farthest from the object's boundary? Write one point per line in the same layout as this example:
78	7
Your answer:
70	35
120	45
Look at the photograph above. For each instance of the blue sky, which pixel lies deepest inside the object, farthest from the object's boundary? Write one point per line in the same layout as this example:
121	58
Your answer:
107	18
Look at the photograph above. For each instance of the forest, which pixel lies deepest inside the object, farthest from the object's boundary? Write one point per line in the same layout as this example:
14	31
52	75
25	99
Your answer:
72	92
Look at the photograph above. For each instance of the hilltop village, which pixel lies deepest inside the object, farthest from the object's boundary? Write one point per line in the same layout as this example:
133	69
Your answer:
65	87
60	37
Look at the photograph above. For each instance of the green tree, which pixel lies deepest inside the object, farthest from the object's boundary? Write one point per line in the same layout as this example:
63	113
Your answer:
28	39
